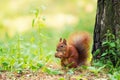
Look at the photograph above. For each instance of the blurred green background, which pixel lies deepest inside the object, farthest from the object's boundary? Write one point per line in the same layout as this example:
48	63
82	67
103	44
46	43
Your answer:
20	42
17	15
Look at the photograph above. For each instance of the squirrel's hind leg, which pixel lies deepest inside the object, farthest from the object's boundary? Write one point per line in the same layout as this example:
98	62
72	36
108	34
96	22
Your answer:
72	63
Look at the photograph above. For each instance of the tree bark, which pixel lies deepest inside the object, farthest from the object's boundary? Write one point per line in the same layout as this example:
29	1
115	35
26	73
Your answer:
107	18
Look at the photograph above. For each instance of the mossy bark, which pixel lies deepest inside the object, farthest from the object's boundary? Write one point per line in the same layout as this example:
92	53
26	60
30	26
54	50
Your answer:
107	17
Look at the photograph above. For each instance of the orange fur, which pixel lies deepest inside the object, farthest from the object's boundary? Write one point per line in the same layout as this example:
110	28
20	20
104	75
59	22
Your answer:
74	52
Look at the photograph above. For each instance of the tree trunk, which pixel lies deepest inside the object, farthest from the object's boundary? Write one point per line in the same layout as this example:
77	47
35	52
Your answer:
107	17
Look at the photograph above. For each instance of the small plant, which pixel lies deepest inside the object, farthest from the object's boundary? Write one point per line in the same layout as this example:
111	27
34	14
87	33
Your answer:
96	70
51	71
110	51
114	76
25	51
71	71
39	23
62	78
113	48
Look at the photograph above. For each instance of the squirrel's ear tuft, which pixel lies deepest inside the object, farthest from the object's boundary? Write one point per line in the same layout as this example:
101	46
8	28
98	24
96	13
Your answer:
65	42
60	39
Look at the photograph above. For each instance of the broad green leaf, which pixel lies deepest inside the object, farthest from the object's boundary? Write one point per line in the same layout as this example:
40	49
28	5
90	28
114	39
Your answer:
104	54
5	64
105	43
19	71
96	52
52	71
71	71
33	67
112	44
62	78
40	65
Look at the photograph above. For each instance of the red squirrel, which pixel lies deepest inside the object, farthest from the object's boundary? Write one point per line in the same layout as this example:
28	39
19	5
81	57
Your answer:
75	51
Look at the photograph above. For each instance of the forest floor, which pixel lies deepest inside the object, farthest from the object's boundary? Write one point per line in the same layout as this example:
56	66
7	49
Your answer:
78	74
43	76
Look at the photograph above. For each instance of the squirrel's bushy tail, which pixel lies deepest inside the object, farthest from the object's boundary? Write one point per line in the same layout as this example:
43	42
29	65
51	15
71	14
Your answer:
81	41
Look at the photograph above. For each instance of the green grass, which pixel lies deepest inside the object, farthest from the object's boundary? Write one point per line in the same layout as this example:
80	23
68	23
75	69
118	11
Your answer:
24	51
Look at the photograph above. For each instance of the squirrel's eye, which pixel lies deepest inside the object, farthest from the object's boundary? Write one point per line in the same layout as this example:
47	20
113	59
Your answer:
61	46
